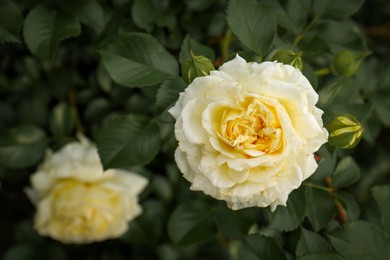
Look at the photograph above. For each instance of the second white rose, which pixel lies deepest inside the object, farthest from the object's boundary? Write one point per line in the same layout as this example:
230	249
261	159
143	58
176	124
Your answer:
247	133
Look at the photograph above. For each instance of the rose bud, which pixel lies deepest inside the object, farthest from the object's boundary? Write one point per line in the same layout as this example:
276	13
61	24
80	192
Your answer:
196	66
289	57
345	131
345	63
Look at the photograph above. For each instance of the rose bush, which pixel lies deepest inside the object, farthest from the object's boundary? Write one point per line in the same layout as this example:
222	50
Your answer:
79	203
247	133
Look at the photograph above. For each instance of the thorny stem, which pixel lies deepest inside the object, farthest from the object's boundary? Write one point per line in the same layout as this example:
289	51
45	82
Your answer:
75	112
319	187
341	212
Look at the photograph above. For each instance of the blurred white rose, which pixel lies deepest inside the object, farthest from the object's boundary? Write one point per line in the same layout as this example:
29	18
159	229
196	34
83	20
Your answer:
79	203
247	133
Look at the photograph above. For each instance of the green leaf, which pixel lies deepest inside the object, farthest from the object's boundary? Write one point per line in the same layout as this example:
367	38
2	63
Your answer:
19	252
361	111
253	24
137	60
361	240
381	105
257	247
292	15
313	46
191	223
11	19
144	14
310	74
196	47
22	146
322	256
287	218
45	28
168	93
97	109
199	5
336	8
350	205
341	35
88	12
382	195
33	110
347	173
128	141
344	91
234	224
326	164
312	243
61	121
148	227
320	208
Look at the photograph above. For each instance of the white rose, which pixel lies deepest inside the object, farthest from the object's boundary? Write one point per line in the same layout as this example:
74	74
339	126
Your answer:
247	133
79	203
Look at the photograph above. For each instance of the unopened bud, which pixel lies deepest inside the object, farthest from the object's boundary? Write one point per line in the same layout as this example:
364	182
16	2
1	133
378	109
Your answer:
289	57
345	63
196	66
345	131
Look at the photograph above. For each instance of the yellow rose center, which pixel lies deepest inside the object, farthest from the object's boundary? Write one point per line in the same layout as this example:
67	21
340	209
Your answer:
254	129
83	210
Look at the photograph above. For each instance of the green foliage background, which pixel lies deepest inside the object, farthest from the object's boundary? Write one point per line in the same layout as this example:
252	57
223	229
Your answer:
111	69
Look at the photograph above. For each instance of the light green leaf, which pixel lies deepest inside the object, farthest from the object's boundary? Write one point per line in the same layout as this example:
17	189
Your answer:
336	8
11	20
382	195
257	247
191	223
22	146
253	24
287	218
45	28
347	173
61	121
168	93
311	242
128	141
361	241
320	208
137	60
197	48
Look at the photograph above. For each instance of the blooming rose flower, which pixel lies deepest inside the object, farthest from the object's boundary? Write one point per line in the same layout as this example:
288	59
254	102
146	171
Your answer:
247	133
79	203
